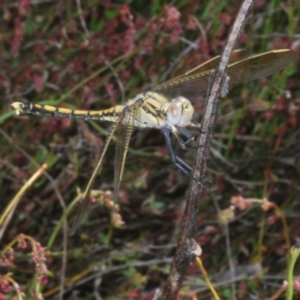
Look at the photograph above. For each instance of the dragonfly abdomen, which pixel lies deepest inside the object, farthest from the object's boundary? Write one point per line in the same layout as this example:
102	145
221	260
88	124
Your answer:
112	114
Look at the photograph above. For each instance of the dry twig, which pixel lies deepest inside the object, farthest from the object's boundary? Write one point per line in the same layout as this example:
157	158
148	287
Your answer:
184	254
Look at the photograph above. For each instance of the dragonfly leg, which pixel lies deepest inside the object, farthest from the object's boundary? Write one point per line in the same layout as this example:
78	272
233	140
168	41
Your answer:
190	137
178	162
184	131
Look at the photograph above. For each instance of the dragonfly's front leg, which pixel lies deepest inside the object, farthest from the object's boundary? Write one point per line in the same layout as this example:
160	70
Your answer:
179	163
187	134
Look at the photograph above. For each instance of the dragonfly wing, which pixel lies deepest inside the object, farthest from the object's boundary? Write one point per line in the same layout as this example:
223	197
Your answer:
193	84
211	64
260	66
122	130
84	202
123	135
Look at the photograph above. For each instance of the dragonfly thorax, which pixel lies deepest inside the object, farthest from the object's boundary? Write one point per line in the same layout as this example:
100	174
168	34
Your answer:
180	112
157	111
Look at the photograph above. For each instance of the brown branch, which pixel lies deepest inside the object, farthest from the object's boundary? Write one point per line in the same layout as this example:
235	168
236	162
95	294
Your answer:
184	252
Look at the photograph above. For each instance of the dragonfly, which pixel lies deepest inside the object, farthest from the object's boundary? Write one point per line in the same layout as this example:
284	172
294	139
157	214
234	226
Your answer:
167	107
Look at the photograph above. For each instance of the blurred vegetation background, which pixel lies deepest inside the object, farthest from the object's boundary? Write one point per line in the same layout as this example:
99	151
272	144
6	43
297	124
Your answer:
96	54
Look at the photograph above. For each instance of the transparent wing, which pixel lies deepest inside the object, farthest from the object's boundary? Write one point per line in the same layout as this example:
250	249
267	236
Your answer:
122	131
211	64
123	135
193	84
84	202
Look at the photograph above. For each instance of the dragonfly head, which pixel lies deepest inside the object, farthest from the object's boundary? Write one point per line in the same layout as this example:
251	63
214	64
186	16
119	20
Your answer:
180	112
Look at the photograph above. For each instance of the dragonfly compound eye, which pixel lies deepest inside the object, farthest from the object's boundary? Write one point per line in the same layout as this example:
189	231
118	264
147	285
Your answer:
174	113
180	112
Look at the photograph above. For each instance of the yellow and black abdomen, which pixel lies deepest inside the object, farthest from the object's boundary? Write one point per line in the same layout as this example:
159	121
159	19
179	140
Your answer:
112	114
